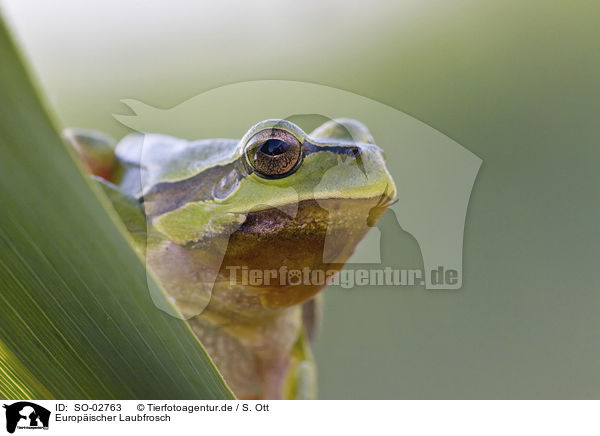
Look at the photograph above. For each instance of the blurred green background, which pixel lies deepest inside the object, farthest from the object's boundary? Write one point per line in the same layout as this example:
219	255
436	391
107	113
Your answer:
515	82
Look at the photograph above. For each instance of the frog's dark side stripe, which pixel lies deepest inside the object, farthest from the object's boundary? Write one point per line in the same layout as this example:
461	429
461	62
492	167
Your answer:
350	150
220	181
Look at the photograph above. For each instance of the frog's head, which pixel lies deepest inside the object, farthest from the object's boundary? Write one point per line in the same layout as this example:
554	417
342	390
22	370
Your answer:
278	200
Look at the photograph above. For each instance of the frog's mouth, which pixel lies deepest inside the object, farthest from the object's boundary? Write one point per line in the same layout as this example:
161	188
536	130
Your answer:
320	237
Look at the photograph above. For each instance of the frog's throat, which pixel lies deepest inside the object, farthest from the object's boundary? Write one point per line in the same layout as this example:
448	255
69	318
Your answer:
317	241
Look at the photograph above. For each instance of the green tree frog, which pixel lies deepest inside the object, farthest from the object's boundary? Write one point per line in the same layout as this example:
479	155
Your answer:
243	234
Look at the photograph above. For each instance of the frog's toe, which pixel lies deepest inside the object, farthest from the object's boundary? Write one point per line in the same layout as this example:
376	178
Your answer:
96	150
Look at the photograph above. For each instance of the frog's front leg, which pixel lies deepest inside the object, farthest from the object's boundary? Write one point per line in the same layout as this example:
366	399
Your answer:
301	379
261	358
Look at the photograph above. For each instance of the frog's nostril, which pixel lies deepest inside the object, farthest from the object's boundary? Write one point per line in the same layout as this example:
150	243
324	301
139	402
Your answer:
355	152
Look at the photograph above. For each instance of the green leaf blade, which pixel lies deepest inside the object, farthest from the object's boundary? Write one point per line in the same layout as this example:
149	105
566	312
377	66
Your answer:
76	317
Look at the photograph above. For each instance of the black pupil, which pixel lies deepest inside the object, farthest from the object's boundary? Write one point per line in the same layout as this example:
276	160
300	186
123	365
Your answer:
274	147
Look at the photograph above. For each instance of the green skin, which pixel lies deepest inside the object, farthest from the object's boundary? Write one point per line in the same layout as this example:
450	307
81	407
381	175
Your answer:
201	212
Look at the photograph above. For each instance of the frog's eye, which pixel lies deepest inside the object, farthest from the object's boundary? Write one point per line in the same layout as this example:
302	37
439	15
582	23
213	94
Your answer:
274	153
